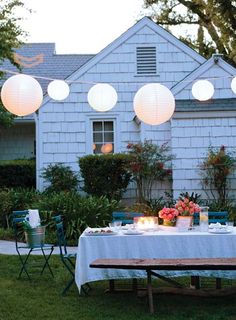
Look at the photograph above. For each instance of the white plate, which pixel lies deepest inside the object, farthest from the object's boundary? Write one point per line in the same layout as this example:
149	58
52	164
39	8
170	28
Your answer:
219	231
131	233
100	233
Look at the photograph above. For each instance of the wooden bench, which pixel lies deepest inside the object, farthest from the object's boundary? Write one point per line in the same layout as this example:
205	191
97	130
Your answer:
165	264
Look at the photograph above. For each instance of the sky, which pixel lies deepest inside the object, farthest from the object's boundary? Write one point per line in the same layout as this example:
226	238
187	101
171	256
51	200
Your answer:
79	26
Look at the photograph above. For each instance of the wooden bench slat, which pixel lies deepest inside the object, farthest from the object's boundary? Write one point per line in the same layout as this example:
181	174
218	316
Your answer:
167	264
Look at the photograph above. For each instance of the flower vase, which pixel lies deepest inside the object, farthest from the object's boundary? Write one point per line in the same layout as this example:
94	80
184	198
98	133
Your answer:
168	223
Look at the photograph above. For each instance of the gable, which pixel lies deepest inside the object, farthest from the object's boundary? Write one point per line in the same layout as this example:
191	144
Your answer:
217	71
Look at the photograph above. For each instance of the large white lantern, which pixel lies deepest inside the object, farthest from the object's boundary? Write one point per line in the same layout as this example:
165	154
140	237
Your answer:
202	90
102	97
233	85
21	95
106	148
58	90
154	103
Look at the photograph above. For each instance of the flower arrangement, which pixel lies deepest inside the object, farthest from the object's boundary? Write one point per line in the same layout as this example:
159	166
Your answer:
186	207
169	214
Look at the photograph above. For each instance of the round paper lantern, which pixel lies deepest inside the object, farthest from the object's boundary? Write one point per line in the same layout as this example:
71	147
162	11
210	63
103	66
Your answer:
58	90
21	95
102	97
154	103
202	90
233	85
107	148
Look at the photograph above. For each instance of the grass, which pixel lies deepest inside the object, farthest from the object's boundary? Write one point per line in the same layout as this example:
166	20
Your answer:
41	299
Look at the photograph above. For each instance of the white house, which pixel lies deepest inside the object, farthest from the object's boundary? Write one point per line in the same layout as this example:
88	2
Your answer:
145	53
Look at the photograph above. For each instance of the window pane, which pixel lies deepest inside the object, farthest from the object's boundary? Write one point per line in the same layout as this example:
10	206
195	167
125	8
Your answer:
97	149
97	137
108	137
108	126
97	126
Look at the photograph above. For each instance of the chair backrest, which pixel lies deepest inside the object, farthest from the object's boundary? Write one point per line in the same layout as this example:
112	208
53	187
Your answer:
61	238
17	217
213	217
125	217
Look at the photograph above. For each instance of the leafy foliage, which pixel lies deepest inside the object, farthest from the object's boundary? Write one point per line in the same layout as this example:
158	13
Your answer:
60	177
105	175
18	173
214	18
215	172
78	212
10	32
147	166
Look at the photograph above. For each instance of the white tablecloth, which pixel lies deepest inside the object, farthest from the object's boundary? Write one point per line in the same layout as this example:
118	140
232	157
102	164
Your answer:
160	244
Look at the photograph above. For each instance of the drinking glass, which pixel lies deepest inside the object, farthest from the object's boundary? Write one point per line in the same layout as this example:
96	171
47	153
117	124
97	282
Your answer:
203	219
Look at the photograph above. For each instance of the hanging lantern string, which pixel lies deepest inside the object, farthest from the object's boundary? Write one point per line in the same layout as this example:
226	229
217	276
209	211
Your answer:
93	83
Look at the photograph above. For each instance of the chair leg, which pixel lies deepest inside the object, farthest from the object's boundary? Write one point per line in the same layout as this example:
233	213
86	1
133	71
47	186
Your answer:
46	264
24	263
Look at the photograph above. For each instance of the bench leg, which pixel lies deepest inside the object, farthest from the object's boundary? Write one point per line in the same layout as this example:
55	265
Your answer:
111	285
195	282
218	283
135	286
149	290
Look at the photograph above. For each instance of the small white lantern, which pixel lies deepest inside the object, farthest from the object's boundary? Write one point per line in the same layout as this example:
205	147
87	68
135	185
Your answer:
233	85
202	90
58	90
154	103
102	97
21	95
107	148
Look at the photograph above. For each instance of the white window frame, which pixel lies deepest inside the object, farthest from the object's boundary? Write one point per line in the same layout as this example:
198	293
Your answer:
89	131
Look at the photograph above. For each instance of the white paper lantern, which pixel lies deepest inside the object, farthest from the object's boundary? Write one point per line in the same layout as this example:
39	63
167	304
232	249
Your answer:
202	90
102	97
154	103
58	90
21	95
107	148
233	85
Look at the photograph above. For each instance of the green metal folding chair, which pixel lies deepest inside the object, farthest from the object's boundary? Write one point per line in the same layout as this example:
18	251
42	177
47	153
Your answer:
68	259
24	250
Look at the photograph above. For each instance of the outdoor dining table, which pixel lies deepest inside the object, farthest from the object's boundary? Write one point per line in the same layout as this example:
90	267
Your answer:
167	243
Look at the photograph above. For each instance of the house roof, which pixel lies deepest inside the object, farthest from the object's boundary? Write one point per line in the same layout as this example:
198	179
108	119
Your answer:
41	60
129	33
201	70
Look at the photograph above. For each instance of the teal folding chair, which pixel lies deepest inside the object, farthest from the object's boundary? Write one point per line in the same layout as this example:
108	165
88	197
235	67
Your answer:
68	259
24	250
213	217
125	217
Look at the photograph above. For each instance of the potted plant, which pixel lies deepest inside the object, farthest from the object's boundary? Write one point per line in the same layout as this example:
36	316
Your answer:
169	216
186	209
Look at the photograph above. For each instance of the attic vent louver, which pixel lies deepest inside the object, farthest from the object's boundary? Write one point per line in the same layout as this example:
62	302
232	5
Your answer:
146	60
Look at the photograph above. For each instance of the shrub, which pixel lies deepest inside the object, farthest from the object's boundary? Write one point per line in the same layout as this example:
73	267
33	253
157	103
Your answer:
15	199
78	212
105	175
60	177
148	165
17	173
215	171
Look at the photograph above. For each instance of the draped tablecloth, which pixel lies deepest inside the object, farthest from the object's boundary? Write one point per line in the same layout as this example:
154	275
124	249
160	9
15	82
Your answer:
159	244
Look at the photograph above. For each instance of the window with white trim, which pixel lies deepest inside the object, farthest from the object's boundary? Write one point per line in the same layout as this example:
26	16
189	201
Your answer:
103	136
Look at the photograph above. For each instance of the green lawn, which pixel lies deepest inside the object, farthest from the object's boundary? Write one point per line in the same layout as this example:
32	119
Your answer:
41	299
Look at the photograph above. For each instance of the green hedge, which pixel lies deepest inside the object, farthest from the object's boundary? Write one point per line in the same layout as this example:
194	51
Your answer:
17	173
105	175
